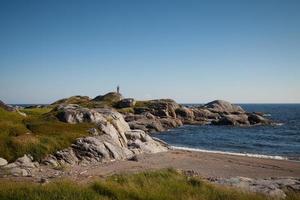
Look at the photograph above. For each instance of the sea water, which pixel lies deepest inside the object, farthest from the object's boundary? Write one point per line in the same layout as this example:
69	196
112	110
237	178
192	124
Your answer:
281	141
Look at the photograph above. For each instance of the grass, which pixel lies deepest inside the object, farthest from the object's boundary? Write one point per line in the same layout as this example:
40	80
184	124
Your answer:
37	134
158	185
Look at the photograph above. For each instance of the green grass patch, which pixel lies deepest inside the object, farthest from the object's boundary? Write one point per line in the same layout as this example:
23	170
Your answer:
125	110
37	134
158	185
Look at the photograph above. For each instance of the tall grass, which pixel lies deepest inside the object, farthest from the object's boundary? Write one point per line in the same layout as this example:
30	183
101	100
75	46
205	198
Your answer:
158	185
37	134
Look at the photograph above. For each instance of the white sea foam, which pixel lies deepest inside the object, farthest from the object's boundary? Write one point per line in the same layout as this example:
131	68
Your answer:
267	115
279	124
231	153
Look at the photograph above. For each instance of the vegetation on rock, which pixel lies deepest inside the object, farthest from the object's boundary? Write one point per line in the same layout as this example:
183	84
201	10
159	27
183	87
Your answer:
37	134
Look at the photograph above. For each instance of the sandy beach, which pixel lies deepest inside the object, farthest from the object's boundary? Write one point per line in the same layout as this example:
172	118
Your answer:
206	165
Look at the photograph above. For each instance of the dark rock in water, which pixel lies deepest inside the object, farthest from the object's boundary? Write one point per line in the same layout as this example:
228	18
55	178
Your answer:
257	119
109	97
240	119
168	114
220	106
126	103
6	107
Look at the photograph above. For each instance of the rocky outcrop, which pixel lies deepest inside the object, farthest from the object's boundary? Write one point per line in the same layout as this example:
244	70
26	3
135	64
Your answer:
163	107
151	123
21	167
3	162
110	97
220	106
185	114
126	103
111	139
160	115
274	187
6	107
73	100
224	113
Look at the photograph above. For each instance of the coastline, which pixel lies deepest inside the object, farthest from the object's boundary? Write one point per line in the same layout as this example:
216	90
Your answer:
206	165
275	157
203	164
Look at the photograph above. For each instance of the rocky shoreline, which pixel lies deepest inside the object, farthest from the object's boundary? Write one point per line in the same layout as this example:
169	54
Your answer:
121	132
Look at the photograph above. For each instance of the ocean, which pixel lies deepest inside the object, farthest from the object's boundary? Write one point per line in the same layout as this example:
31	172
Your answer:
278	142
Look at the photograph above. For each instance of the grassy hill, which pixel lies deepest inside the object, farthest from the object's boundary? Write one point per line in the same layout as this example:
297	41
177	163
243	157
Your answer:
37	134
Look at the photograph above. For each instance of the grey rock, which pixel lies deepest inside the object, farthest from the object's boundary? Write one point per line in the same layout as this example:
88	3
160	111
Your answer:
257	119
113	138
66	156
73	114
231	119
185	114
50	160
23	166
169	123
3	162
273	187
27	162
19	172
221	106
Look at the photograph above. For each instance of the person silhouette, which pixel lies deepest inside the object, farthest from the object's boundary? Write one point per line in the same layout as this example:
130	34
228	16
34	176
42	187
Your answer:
118	89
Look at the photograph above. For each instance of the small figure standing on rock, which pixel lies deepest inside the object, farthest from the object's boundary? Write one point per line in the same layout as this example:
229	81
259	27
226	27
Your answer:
118	89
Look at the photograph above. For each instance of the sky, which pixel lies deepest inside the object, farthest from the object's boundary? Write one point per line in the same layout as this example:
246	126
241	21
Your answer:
191	51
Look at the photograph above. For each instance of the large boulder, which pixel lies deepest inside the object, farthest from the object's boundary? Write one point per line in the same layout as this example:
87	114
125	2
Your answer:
73	114
220	106
151	123
147	125
169	122
231	119
254	118
143	142
186	114
3	162
163	107
23	166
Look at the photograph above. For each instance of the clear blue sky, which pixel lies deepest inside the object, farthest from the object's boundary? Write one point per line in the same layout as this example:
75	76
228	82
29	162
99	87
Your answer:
191	51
